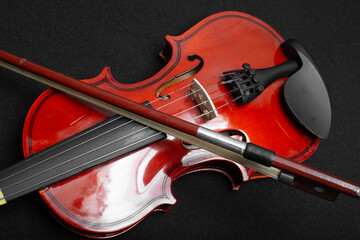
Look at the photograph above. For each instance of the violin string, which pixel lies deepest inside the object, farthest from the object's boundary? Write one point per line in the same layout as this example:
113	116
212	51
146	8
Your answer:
235	99
185	110
84	142
102	124
186	95
84	164
202	80
191	93
88	162
78	135
78	156
103	133
68	149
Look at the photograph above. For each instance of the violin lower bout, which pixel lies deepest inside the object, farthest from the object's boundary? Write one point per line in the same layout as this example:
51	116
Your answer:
111	199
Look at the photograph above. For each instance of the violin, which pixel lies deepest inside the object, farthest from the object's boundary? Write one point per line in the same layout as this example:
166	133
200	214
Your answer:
101	173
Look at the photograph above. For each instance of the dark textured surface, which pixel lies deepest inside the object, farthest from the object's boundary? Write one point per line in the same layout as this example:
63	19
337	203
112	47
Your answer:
78	38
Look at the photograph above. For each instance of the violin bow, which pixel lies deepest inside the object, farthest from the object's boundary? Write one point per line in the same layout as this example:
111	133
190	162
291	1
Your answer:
250	155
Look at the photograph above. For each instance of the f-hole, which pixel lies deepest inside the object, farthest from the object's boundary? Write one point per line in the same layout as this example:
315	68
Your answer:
181	77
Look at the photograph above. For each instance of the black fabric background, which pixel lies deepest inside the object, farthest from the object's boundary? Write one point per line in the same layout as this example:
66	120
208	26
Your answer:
79	38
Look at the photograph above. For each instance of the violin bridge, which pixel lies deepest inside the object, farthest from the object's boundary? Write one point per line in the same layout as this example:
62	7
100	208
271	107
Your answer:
2	198
202	100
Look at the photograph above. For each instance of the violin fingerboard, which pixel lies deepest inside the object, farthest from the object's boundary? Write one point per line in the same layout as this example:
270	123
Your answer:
101	143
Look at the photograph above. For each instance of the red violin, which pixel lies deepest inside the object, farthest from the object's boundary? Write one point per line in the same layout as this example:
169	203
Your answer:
133	166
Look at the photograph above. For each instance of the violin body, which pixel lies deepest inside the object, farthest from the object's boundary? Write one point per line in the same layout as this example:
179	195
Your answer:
112	198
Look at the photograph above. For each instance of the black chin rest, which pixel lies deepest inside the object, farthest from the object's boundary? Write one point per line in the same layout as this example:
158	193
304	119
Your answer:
305	91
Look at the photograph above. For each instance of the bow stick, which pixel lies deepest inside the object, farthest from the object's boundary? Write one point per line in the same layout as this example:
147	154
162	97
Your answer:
247	154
